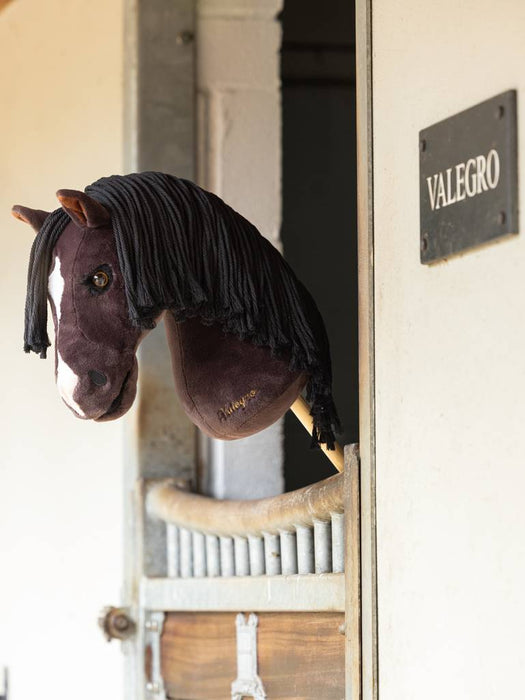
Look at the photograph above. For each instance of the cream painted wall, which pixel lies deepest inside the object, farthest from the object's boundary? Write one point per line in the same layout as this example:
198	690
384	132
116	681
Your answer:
450	375
60	478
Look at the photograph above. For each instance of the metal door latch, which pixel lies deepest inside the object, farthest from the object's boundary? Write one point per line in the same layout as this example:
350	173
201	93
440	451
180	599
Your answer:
247	684
154	682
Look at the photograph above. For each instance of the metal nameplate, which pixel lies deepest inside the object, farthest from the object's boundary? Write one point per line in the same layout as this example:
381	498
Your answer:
468	178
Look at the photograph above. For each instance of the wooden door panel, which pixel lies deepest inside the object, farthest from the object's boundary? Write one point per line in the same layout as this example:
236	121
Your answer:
300	655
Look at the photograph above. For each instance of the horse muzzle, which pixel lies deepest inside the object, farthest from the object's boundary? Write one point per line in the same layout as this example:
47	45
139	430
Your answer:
96	395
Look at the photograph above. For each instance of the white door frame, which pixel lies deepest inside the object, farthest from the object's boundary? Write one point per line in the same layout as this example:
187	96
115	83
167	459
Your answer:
365	221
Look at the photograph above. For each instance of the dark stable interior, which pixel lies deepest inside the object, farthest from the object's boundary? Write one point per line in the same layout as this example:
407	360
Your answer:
319	230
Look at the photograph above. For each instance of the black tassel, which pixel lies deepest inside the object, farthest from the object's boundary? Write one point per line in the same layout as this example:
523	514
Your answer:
35	331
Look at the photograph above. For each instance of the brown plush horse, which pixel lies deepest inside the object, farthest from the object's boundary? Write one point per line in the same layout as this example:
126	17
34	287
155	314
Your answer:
244	335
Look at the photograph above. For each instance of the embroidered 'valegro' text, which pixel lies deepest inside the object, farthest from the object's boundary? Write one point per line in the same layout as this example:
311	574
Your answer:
226	411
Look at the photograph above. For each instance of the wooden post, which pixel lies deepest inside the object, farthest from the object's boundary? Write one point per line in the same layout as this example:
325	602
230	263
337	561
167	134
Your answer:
302	411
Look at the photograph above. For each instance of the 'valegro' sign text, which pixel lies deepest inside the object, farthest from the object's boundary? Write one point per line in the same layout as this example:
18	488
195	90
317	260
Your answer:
477	175
468	178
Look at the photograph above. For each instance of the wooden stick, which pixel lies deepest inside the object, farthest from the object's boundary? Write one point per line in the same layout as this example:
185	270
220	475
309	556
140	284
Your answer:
302	411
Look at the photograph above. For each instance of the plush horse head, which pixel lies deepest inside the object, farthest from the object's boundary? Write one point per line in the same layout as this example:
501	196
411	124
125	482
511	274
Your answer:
96	367
244	334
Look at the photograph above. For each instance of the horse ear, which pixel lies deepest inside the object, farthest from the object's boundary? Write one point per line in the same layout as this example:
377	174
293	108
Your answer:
83	209
34	217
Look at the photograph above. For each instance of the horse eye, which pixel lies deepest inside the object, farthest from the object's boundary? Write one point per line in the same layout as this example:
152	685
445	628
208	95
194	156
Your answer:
100	279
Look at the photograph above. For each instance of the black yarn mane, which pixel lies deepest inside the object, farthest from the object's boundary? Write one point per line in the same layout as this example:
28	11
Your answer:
183	249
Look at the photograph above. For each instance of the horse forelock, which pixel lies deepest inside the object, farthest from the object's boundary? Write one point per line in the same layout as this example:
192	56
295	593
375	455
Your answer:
40	261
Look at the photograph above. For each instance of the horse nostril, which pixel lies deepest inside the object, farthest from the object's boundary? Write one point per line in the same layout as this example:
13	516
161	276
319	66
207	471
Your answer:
97	378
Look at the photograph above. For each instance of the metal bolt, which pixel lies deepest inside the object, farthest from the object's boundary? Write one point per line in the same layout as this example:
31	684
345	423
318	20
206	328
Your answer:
424	243
501	218
121	622
500	112
115	623
152	625
423	145
185	37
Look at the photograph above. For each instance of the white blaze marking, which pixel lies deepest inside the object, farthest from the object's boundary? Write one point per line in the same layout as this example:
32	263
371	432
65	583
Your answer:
55	287
67	380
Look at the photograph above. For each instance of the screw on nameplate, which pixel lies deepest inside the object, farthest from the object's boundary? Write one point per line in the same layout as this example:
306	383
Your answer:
247	684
